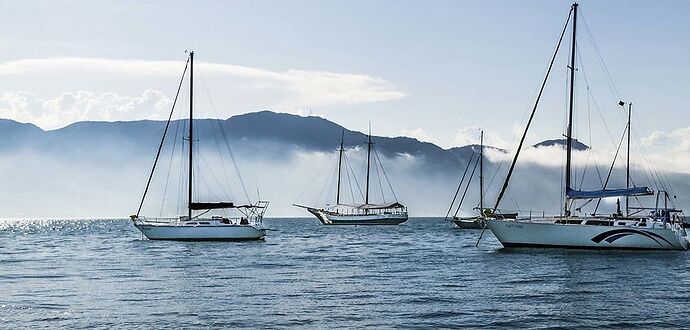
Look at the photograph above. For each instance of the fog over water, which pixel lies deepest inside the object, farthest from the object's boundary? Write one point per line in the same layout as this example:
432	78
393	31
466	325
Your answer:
108	180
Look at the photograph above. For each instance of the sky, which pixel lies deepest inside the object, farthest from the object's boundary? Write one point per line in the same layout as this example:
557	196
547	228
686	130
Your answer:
435	70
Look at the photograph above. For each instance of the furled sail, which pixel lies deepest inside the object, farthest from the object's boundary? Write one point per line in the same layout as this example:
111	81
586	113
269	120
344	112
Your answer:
210	206
585	194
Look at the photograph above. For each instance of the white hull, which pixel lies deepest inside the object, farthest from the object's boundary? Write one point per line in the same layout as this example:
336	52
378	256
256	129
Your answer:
547	233
331	218
214	232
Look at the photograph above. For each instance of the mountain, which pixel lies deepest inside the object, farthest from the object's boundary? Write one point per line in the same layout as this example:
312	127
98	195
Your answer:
278	133
15	134
577	145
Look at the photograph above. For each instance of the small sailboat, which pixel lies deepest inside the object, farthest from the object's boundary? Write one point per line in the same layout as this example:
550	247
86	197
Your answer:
473	222
367	213
659	227
205	220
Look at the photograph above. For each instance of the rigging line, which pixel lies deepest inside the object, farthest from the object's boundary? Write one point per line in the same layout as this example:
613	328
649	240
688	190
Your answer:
313	178
612	165
385	174
594	101
222	159
227	175
645	155
605	69
589	123
457	191
650	170
541	90
217	122
172	156
349	183
234	164
182	182
590	97
517	206
469	182
226	140
493	177
160	147
349	166
329	182
589	126
203	159
378	175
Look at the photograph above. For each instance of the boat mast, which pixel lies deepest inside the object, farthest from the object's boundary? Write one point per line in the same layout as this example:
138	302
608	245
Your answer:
481	173
191	129
366	198
531	116
340	162
627	170
569	134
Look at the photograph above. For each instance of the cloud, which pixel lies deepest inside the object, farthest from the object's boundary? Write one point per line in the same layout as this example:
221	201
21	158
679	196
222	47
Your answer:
301	88
419	134
668	150
71	107
470	135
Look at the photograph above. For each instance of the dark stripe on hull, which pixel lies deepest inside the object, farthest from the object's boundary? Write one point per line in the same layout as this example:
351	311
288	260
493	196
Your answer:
381	222
209	239
467	224
530	245
375	222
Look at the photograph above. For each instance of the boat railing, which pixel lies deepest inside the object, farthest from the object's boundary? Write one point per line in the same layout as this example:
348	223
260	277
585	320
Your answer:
356	211
239	220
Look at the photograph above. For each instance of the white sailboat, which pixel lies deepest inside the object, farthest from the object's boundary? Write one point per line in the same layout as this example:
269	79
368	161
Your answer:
232	223
393	213
661	228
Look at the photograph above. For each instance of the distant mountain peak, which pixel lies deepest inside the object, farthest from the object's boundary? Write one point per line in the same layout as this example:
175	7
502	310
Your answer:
577	145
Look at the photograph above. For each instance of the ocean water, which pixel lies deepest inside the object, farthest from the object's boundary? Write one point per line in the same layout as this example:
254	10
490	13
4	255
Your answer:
101	274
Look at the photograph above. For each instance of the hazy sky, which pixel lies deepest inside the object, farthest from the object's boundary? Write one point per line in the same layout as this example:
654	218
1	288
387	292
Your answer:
436	70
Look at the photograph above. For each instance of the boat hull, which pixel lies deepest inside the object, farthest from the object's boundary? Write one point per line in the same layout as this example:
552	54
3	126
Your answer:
513	233
174	232
467	224
328	218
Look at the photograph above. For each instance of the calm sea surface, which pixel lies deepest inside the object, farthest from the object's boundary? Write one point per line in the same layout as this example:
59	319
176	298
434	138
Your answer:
101	274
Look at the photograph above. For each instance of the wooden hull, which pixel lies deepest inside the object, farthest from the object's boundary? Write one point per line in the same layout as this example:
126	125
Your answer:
329	218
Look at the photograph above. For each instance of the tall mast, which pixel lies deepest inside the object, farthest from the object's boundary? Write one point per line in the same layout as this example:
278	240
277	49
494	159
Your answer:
366	198
481	173
340	163
627	170
569	134
531	116
191	128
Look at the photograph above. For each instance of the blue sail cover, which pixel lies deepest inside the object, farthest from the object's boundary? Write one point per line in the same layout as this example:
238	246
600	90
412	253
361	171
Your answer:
585	194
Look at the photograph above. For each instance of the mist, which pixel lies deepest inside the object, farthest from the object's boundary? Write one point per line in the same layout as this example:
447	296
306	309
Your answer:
100	170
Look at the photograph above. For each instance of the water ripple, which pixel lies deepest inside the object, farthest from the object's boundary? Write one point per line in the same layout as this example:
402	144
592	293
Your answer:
99	274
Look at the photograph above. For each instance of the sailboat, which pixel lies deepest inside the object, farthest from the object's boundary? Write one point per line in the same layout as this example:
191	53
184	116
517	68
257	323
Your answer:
473	222
659	229
393	213
477	221
245	224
